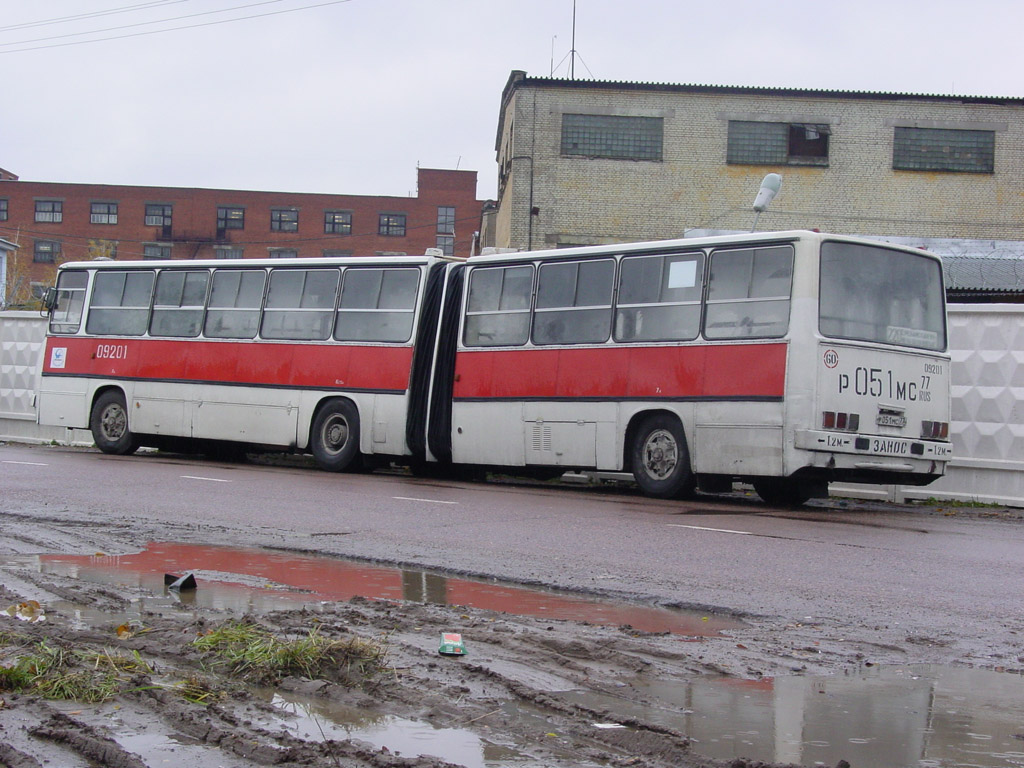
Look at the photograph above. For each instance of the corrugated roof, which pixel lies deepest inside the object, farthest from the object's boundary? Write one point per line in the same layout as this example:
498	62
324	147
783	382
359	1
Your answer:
761	90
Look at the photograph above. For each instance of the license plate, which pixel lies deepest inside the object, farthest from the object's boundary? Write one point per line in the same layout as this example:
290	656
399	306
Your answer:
891	420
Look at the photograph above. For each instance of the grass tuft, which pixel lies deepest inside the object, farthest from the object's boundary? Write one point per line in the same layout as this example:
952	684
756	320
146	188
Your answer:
255	654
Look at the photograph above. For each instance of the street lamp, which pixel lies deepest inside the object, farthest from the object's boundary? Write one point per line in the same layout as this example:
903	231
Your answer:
769	188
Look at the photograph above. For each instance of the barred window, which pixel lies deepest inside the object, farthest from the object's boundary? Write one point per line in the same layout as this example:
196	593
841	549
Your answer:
943	149
156	251
613	136
103	213
446	220
338	222
49	211
158	215
761	143
284	220
45	251
391	224
230	217
224	252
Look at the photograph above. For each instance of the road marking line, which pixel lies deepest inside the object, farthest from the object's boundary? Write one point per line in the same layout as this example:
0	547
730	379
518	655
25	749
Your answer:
716	530
25	463
209	479
428	501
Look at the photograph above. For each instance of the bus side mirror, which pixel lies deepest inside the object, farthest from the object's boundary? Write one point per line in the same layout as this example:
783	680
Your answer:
50	299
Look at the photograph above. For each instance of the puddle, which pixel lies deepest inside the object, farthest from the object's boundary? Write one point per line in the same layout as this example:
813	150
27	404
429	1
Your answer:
256	581
917	716
320	720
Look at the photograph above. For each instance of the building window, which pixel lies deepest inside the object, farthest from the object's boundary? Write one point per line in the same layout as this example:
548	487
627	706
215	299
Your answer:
614	136
103	213
943	149
49	211
220	252
3	209
331	253
46	251
445	220
284	220
282	253
391	224
158	215
447	244
759	143
229	217
156	251
337	222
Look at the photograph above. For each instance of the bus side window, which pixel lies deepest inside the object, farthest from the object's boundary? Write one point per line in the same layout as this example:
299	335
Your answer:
377	304
748	293
574	302
300	304
659	297
67	314
179	301
120	303
234	306
498	307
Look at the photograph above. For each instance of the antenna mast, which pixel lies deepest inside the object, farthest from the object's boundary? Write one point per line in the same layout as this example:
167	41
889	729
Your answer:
572	50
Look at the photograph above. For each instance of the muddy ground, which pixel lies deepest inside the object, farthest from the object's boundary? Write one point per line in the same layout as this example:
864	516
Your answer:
506	701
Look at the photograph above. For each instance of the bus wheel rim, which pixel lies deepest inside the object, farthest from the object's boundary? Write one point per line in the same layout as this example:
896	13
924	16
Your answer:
335	434
114	422
661	454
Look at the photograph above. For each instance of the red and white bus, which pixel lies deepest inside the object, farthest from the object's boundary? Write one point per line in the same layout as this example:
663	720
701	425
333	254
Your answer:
788	360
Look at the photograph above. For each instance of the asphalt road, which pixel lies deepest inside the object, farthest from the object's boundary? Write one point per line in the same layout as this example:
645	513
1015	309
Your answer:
928	573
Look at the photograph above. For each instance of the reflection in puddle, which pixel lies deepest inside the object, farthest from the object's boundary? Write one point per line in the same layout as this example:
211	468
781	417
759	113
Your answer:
917	716
408	738
257	581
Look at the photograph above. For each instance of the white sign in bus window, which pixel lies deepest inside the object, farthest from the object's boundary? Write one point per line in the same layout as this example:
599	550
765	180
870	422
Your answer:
682	274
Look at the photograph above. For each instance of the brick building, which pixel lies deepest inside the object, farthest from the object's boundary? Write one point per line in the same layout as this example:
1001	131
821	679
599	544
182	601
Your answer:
587	162
55	222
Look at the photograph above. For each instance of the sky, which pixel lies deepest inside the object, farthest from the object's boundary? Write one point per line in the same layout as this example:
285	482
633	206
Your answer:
351	96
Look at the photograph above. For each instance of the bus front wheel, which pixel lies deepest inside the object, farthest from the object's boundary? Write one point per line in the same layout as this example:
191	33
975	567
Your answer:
335	437
660	458
109	424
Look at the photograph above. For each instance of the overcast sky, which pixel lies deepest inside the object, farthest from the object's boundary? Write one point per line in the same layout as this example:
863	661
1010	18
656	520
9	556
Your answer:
349	96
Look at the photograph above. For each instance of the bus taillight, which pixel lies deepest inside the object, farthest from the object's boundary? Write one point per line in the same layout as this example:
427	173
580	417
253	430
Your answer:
935	430
838	420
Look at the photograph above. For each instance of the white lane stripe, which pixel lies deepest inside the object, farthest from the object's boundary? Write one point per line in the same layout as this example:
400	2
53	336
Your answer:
428	501
26	463
210	479
716	530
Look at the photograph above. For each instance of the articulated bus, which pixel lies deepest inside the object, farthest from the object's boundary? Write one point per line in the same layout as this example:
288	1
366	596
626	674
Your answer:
787	360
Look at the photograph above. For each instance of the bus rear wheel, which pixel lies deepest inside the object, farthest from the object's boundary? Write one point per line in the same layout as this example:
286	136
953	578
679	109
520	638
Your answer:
782	491
109	424
660	458
334	440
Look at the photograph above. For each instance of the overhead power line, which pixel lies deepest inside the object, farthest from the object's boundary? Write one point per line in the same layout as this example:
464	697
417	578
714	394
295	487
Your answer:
172	29
90	15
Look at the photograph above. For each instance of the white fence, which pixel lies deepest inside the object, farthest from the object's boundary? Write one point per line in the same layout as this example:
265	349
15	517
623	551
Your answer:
986	342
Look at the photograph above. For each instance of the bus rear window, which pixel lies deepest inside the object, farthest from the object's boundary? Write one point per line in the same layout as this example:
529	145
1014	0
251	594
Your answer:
880	295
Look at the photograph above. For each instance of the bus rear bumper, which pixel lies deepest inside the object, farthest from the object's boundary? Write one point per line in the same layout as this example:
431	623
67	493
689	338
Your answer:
897	459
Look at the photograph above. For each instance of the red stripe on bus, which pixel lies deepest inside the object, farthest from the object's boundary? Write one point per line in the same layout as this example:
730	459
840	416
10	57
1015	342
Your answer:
725	371
232	362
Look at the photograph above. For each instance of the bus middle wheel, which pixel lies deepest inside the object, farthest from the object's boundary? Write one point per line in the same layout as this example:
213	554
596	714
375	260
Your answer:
660	458
335	437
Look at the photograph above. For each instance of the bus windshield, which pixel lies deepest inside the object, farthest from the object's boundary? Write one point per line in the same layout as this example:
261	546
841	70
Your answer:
880	295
